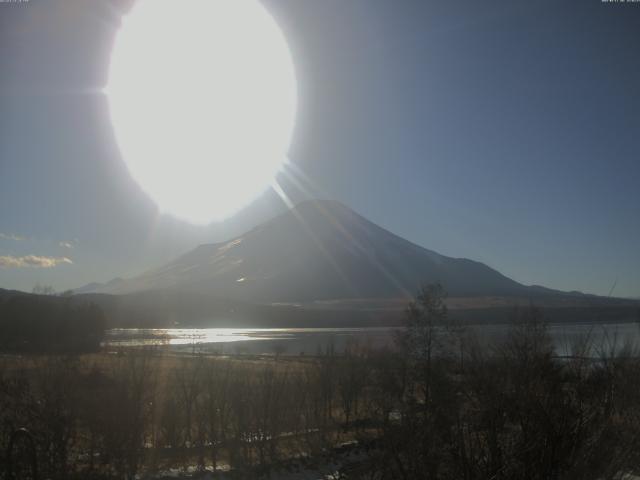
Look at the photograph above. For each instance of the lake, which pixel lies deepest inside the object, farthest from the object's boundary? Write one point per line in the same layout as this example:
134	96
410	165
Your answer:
308	341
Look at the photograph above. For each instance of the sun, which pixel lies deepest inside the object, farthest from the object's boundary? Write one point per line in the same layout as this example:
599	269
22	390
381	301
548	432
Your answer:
202	96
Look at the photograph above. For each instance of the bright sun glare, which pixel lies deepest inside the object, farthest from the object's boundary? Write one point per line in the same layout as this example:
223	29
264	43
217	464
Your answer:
203	97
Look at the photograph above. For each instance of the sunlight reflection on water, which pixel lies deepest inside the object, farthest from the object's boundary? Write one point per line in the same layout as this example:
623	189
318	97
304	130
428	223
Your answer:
308	340
188	336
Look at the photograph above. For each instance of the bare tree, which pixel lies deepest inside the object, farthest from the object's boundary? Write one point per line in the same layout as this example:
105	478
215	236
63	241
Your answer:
422	337
187	379
215	405
352	378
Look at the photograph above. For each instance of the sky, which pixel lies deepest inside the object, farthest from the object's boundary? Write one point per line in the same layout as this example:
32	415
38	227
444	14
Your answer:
506	131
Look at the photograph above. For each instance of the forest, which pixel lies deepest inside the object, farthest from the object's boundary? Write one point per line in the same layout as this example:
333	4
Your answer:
436	406
46	323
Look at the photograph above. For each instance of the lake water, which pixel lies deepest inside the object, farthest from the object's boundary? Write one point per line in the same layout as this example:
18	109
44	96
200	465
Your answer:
296	341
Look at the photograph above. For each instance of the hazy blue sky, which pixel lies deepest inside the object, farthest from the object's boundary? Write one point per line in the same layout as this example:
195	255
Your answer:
503	131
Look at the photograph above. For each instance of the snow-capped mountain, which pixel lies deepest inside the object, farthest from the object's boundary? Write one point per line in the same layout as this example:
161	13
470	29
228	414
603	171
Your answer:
318	250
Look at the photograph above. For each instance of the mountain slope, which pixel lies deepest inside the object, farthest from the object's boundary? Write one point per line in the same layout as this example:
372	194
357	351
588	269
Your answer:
318	250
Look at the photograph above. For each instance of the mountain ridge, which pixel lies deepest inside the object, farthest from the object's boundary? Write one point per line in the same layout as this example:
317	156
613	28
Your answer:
320	250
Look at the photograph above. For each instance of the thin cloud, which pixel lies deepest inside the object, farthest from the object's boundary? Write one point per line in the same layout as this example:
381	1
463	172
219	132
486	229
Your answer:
32	261
11	236
68	244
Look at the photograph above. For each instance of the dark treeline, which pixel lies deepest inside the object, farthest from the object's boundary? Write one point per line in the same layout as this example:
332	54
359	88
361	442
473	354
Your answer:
38	323
439	406
163	308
